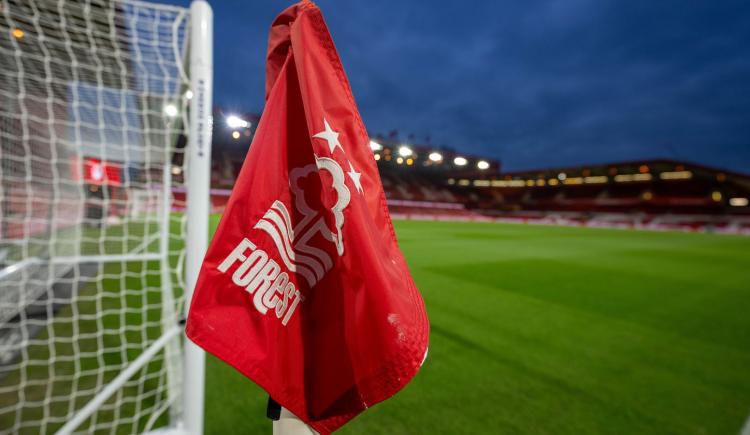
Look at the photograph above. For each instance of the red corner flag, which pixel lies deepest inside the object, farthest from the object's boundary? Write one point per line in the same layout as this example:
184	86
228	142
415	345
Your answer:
303	288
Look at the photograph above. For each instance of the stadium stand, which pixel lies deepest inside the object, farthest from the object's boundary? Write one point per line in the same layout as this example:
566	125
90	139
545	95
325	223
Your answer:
436	183
649	194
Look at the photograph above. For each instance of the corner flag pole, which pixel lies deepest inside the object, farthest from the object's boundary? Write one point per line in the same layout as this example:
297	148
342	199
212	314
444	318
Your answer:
284	422
198	200
289	424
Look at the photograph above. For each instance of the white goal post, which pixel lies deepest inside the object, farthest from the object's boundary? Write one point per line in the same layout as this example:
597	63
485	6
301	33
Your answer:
105	169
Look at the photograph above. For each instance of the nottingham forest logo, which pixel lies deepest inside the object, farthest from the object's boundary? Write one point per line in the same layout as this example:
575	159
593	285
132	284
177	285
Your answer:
305	249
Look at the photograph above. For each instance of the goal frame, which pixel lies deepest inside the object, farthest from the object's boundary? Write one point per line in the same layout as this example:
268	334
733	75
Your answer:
190	420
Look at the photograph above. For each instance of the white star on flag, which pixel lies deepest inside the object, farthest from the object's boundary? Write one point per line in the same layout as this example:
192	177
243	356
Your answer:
329	135
354	175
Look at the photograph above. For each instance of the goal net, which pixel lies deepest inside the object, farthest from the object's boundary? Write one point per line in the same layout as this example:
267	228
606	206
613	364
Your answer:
95	100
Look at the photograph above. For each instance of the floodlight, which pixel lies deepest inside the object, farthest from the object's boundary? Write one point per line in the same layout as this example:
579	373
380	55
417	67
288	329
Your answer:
170	110
375	146
460	161
405	151
234	121
483	164
435	157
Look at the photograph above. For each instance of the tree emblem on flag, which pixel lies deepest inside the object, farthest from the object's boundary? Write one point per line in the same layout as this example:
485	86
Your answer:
293	243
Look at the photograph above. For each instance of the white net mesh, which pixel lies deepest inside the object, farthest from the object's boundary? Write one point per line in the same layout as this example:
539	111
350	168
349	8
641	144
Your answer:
92	119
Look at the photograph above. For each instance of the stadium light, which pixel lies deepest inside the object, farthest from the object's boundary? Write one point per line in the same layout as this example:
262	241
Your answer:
460	161
738	202
676	175
170	110
234	121
597	179
625	178
375	146
405	151
435	157
483	164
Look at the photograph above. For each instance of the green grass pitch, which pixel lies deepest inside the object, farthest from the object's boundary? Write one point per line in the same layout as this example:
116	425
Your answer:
540	329
534	329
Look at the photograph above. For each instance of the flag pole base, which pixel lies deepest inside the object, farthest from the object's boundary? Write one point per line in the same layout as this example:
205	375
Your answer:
288	424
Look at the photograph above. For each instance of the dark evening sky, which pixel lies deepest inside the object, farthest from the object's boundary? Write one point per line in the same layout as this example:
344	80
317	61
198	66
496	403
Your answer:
535	84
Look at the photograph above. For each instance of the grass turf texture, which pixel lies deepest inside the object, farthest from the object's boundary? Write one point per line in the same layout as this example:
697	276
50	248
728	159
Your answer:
534	330
557	330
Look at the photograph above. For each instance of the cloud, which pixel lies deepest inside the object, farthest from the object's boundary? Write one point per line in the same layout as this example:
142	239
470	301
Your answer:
537	83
